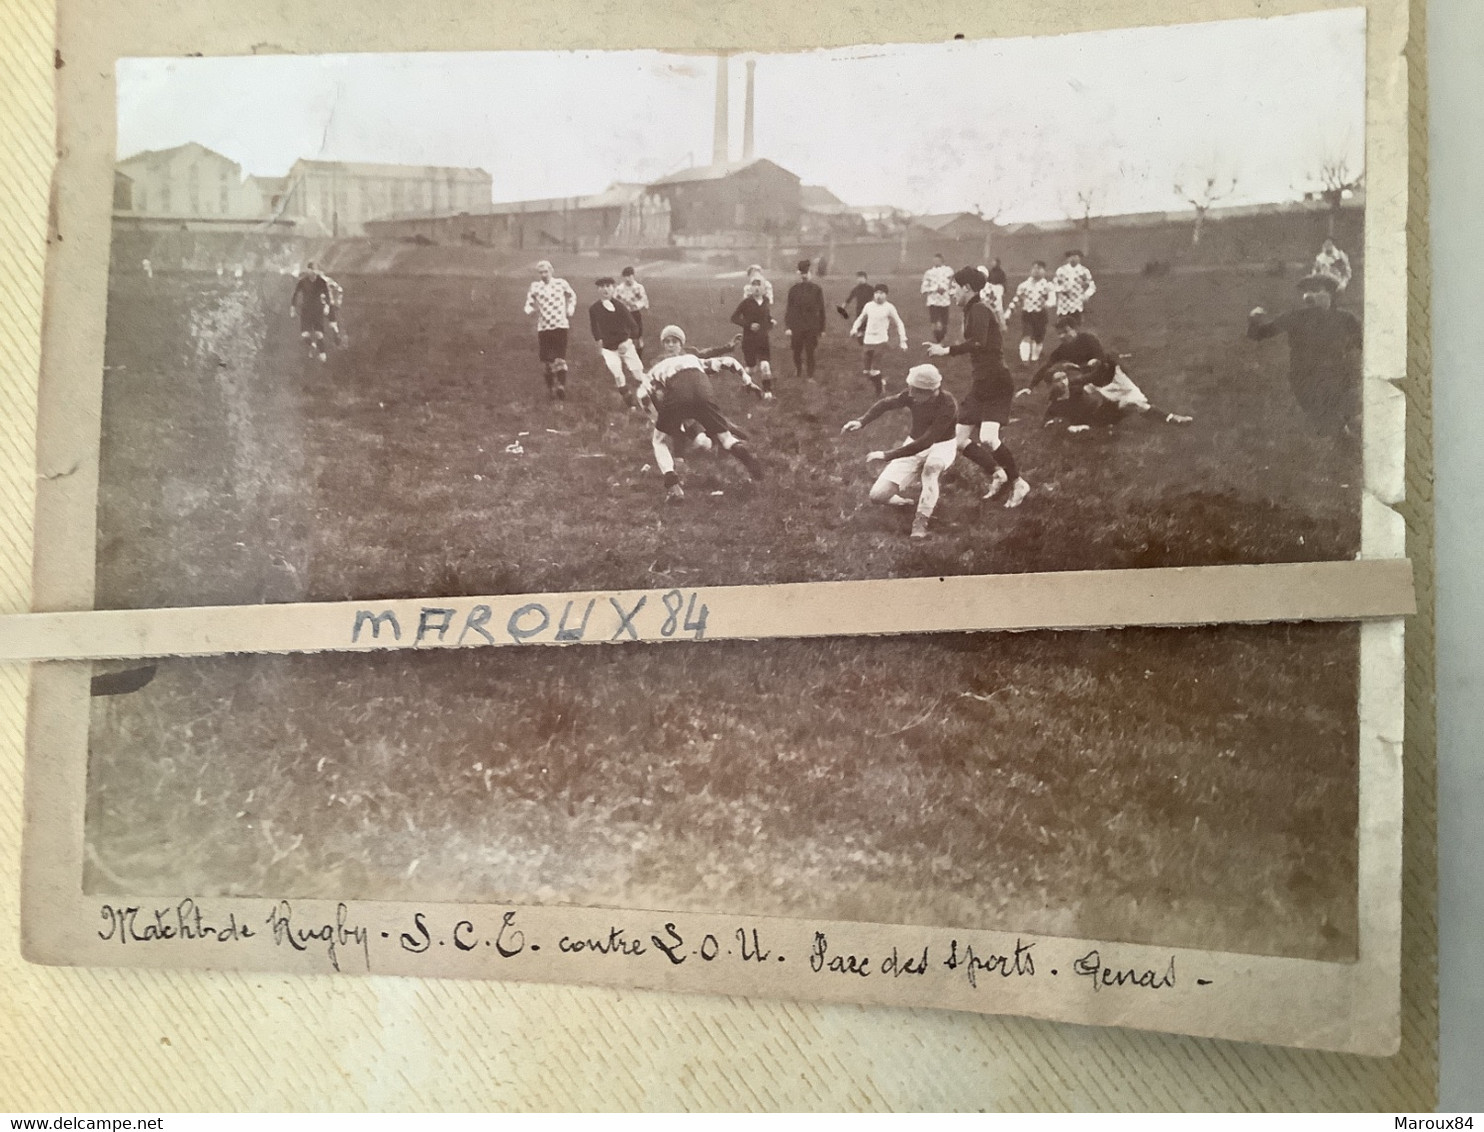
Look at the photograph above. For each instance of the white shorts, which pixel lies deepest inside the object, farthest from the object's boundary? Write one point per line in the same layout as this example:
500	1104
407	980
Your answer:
626	357
906	471
1122	392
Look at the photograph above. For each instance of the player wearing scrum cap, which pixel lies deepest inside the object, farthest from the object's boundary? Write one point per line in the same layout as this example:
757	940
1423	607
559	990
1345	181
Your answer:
1323	355
986	410
553	302
678	395
928	451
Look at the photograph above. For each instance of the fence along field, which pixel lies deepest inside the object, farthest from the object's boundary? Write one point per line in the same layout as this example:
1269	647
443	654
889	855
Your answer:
1189	787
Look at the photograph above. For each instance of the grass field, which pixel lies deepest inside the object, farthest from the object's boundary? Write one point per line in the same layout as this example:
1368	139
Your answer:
233	472
1185	787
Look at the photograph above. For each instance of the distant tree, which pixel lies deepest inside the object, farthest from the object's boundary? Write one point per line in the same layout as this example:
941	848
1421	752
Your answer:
1082	205
1337	180
1201	191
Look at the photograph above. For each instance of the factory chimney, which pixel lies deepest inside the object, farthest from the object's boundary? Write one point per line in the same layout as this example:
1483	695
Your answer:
721	145
747	117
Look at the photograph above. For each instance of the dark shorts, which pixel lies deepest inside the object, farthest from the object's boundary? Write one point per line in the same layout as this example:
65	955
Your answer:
1074	318
638	325
989	400
938	316
689	398
756	349
1033	323
551	345
311	318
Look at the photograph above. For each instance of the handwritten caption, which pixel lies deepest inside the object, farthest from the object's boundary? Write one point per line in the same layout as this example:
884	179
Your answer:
344	943
671	615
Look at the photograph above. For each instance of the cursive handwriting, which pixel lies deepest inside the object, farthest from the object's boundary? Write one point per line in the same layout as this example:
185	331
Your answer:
334	936
1091	966
1018	963
185	921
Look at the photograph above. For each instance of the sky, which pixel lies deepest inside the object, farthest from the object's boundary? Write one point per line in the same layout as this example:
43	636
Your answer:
1017	128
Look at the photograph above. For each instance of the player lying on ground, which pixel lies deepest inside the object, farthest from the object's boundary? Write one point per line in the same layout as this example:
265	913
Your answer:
1106	396
677	394
986	410
754	315
1078	347
614	330
1089	385
873	327
928	452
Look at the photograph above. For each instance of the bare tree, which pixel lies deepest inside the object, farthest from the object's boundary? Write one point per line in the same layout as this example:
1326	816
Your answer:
1201	192
1337	180
1084	203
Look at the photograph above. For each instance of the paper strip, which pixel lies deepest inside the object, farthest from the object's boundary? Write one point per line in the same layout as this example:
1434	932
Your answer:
1095	599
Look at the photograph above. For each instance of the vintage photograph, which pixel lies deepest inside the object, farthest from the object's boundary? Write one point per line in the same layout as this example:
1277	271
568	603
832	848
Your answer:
497	323
538	322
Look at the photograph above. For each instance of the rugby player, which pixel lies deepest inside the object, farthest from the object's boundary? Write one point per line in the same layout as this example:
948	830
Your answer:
873	326
553	302
677	394
929	450
614	331
755	317
986	410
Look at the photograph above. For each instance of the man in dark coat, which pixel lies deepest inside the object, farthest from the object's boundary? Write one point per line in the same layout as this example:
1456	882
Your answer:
803	320
1323	356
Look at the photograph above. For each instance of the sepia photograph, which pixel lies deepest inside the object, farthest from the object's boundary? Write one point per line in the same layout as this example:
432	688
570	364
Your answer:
498	323
540	322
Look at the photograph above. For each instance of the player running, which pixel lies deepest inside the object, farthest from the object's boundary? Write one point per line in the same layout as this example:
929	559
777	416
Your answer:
1074	286
937	285
920	461
313	302
678	395
1333	262
755	272
986	410
861	294
1036	297
632	295
755	317
873	326
993	295
613	329
553	302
